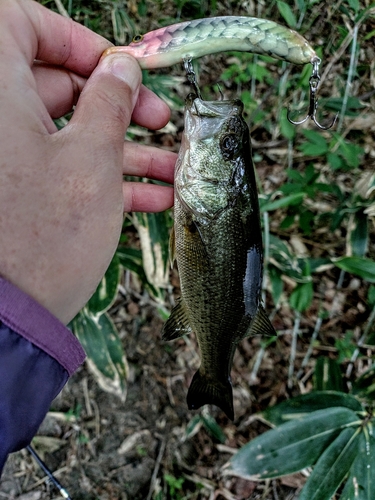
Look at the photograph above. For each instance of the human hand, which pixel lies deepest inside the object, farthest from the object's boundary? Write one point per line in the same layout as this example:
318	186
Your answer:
62	195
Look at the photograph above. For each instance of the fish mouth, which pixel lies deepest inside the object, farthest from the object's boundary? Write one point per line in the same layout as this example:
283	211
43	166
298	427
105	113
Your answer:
212	109
206	119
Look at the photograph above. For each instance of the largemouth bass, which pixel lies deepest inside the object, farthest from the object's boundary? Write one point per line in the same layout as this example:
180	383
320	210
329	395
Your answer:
217	244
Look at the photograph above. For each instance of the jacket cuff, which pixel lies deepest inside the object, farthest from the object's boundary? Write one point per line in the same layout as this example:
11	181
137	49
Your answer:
28	318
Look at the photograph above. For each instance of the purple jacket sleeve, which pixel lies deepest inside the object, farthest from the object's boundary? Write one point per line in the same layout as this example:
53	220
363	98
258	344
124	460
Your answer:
37	356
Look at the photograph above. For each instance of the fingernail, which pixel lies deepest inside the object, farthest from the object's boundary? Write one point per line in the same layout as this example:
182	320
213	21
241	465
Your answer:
126	68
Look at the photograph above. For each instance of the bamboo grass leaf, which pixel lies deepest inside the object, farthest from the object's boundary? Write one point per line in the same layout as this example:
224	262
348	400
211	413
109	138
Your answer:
357	236
154	235
364	386
332	467
105	356
360	266
287	13
292	446
327	376
361	481
307	403
106	292
286	201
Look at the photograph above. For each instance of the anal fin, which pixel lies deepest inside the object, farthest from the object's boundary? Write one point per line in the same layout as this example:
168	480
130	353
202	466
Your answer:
261	325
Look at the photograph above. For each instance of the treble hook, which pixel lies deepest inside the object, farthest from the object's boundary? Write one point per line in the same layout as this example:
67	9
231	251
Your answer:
313	105
190	74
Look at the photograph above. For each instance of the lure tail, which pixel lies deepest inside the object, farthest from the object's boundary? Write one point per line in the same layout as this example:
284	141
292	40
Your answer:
206	391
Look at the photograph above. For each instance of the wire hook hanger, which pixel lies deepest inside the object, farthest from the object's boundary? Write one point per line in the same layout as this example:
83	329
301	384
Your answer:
313	105
191	76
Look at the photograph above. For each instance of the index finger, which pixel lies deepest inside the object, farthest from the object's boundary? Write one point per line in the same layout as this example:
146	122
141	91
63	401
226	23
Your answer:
59	40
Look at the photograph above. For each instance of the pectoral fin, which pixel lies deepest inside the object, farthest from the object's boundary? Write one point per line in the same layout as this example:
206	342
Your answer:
177	324
261	325
194	243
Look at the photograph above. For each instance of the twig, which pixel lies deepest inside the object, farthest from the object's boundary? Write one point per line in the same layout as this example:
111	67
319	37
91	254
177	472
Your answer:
258	361
156	468
293	349
314	336
361	341
353	57
336	298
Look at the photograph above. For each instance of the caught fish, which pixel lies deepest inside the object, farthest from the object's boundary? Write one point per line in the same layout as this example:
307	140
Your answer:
191	39
217	244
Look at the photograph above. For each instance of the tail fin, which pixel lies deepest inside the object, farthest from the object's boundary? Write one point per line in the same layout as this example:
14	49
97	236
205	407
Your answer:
205	391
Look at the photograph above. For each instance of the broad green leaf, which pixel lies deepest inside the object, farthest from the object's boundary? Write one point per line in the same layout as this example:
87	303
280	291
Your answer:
115	348
286	128
292	446
360	266
327	376
335	104
364	386
286	201
335	161
106	293
357	236
371	295
282	258
212	427
276	283
352	153
193	426
154	235
105	357
307	403
317	145
287	14
332	467
360	484
131	259
301	297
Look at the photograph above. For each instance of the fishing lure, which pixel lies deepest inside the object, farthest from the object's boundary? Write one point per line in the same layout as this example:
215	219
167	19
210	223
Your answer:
192	39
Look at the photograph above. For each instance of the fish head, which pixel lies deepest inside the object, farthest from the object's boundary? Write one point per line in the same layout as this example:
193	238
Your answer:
215	132
214	157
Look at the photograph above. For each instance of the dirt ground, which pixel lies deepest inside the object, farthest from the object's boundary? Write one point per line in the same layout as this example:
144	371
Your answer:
101	448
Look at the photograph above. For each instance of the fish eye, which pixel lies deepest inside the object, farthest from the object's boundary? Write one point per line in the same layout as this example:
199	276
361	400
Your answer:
227	142
138	38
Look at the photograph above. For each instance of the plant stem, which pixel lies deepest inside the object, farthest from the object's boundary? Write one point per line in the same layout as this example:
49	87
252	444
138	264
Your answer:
293	348
353	59
314	336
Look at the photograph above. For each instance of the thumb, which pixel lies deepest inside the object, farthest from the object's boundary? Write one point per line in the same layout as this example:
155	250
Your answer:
106	103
